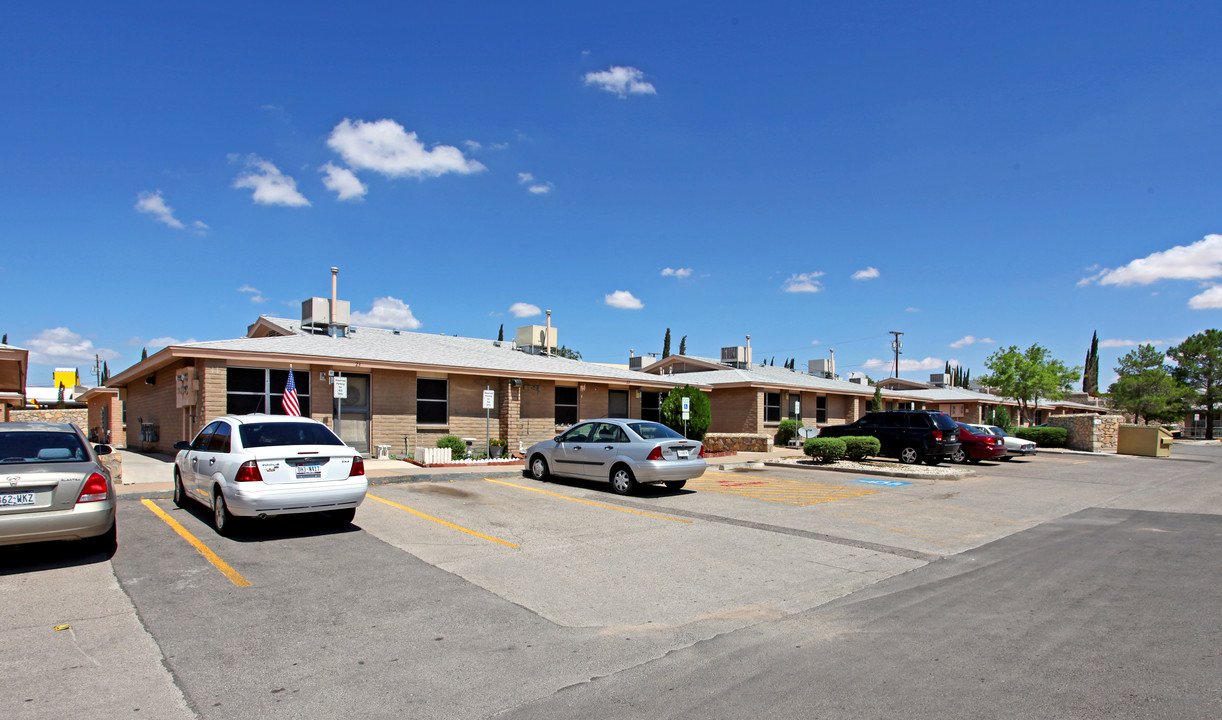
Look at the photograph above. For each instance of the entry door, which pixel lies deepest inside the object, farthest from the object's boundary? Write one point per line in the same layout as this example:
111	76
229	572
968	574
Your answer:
617	403
352	414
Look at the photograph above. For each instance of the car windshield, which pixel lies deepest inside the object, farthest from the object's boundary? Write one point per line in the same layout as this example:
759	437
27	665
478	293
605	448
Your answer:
653	431
998	431
41	447
286	433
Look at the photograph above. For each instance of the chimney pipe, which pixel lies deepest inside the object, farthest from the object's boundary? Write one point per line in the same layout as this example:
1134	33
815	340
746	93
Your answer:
334	273
832	351
748	351
547	339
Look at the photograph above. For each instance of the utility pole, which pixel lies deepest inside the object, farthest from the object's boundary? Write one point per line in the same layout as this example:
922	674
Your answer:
896	345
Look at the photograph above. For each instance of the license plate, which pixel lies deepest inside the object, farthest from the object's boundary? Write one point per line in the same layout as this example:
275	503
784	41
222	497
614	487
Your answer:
683	454
16	499
305	472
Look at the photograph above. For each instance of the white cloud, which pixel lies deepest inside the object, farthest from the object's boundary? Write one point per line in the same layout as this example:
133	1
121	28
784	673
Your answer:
255	295
1211	299
676	272
157	343
151	203
343	182
62	346
804	282
521	310
387	312
868	273
1120	343
540	189
385	147
814	342
929	363
912	309
525	178
270	185
200	228
472	145
1201	260
621	81
624	300
969	340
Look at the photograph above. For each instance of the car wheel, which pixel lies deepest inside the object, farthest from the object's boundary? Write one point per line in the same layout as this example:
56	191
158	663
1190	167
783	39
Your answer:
675	484
180	497
933	461
958	456
343	518
910	455
622	481
222	519
538	468
107	542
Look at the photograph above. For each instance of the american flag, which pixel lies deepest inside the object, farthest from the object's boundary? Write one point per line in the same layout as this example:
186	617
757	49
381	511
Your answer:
290	397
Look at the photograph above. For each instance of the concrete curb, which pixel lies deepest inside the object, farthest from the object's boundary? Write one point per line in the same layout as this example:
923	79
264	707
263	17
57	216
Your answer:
957	475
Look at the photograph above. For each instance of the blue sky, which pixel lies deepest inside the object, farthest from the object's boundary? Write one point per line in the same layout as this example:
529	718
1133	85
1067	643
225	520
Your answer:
812	174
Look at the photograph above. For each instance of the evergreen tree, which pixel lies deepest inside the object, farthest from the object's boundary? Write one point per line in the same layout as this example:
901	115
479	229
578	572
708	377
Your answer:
683	345
876	402
5	340
60	402
666	345
144	353
1199	360
1146	390
1090	375
105	372
500	335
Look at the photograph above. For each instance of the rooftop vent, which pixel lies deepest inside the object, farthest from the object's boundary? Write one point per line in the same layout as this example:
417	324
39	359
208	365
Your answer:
735	355
316	314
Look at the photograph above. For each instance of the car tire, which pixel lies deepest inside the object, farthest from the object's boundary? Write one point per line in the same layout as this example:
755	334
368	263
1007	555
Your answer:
180	497
909	455
622	480
222	519
107	542
959	456
676	484
343	518
538	468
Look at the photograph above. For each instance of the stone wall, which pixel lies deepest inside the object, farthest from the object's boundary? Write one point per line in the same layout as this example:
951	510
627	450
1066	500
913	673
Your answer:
1089	432
80	416
737	442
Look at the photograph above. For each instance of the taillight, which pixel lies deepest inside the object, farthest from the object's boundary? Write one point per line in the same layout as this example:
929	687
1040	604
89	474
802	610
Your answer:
249	472
701	454
94	489
358	467
655	454
937	435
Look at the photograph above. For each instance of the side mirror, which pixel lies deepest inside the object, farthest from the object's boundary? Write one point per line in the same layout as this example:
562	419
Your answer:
182	445
102	449
556	439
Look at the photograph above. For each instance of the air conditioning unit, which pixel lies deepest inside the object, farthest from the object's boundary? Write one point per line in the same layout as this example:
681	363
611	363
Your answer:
639	362
734	355
316	313
939	379
819	367
859	380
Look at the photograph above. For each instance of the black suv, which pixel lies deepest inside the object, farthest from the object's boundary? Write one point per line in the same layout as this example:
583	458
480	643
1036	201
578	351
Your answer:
910	435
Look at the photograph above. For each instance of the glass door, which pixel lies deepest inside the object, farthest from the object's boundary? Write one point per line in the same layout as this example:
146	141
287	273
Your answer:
351	414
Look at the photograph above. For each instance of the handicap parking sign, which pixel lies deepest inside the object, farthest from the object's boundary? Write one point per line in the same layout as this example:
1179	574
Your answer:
888	483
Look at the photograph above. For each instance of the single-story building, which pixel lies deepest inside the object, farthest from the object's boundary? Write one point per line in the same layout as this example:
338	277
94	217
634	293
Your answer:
106	422
13	364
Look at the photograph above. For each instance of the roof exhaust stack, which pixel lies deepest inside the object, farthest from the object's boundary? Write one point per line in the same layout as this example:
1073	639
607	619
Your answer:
321	316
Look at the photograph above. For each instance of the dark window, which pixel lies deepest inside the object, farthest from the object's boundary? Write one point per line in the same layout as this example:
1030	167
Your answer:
610	434
581	433
617	403
651	406
205	436
271	434
566	405
873	419
432	402
220	439
261	390
41	447
795	407
772	407
653	431
821	409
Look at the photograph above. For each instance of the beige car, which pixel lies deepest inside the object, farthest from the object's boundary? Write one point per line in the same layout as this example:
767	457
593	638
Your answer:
54	487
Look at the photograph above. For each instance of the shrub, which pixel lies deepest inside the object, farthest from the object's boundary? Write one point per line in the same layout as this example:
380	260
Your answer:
1044	436
1001	418
671	412
860	448
824	449
787	430
456	445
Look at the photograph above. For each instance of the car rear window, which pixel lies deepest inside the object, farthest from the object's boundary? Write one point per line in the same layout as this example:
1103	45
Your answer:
286	433
653	431
942	421
41	447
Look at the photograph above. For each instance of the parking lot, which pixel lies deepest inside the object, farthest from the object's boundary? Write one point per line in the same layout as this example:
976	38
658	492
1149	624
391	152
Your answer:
467	598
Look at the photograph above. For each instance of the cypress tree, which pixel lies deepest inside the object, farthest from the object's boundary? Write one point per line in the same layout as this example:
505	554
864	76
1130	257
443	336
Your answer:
500	335
666	345
1090	376
683	346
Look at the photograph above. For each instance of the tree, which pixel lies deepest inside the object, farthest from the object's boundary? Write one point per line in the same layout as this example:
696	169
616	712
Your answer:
666	345
1199	366
60	402
1029	375
105	372
500	335
683	345
564	352
144	353
876	402
5	340
1146	388
1090	376
1000	417
671	412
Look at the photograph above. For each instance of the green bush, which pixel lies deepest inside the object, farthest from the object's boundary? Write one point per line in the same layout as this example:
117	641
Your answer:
860	448
787	430
1001	418
824	449
1044	436
671	412
456	445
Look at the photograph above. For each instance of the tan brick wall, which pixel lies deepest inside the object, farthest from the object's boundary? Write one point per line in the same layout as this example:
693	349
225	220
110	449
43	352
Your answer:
155	403
538	420
737	410
392	407
114	418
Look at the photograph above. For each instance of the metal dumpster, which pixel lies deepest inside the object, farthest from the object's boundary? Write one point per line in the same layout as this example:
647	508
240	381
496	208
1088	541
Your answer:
1148	440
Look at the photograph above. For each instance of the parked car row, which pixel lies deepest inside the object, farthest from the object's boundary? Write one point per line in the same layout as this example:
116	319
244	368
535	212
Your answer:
930	436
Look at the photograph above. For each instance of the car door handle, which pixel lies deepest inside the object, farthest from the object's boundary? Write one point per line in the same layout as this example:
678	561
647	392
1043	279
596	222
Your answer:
211	461
609	447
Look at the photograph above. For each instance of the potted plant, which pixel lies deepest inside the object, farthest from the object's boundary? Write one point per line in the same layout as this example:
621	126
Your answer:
496	447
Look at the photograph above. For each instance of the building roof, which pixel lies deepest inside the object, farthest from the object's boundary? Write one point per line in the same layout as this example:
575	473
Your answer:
757	375
367	347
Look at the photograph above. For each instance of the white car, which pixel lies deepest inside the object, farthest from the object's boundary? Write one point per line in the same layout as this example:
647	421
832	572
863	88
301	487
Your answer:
1014	446
265	465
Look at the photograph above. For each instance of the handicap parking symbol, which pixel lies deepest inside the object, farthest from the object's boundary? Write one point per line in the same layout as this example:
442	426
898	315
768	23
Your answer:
888	483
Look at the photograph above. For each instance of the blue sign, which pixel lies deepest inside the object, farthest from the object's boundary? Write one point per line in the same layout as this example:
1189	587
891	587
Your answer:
888	483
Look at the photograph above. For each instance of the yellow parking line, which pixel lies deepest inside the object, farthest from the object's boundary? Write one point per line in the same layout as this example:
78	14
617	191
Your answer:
234	576
443	522
587	502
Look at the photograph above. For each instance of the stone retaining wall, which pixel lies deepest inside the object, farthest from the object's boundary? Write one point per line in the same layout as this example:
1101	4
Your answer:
80	416
1089	432
737	442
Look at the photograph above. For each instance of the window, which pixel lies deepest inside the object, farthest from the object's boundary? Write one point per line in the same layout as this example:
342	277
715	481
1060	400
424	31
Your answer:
651	406
617	403
581	433
772	407
286	433
566	405
432	401
261	390
821	409
204	437
220	439
795	407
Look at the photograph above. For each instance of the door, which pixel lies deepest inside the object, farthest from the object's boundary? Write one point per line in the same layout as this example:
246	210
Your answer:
617	403
191	473
605	444
575	453
352	414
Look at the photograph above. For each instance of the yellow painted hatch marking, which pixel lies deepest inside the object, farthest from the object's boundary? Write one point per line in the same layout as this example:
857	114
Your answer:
587	502
792	492
443	522
234	576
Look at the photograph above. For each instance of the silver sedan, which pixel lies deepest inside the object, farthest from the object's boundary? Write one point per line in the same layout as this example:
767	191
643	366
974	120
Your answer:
54	487
624	452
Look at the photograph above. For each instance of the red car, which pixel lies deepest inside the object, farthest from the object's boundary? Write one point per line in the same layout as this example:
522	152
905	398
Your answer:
976	445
